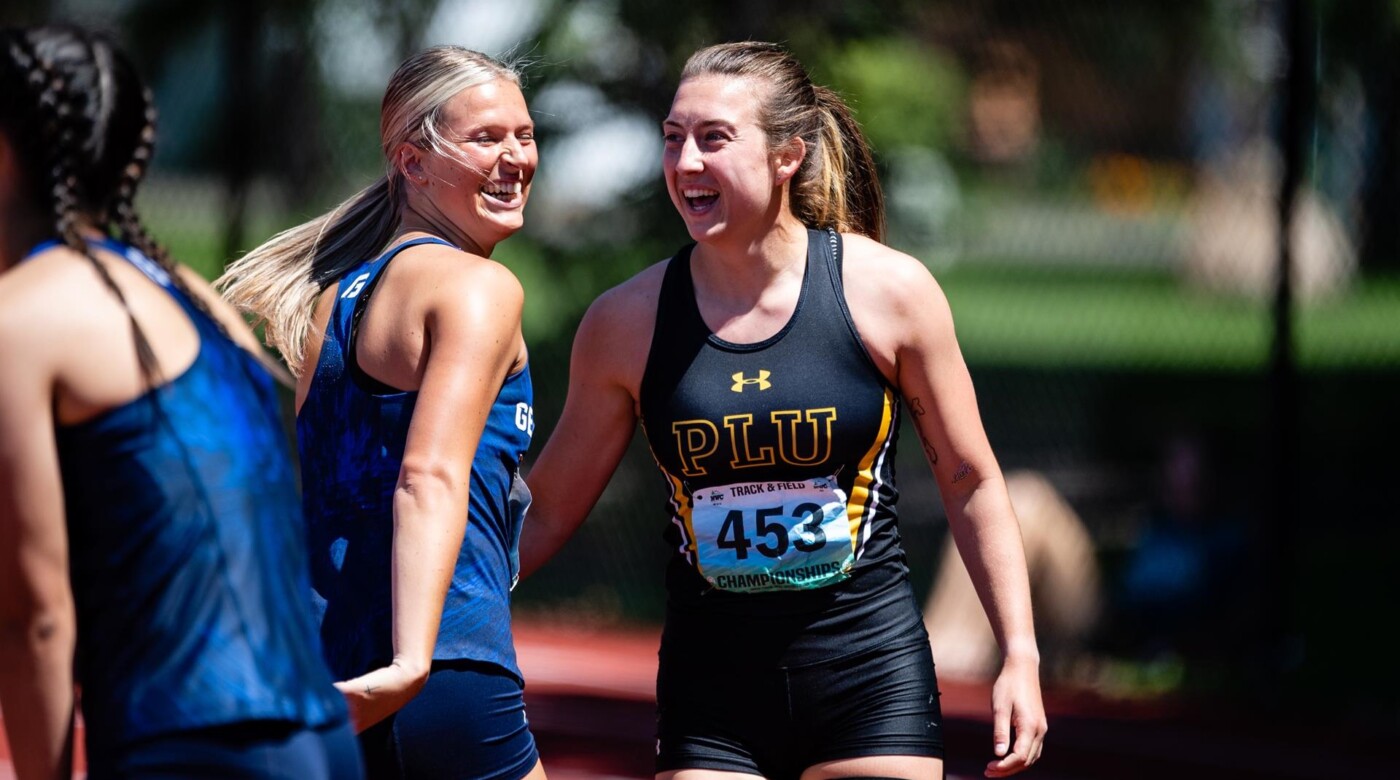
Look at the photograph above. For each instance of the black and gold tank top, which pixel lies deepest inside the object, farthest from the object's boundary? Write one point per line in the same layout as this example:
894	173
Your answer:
778	455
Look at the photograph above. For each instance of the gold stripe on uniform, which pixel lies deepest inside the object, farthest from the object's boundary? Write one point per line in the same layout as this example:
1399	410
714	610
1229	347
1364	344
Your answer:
683	507
680	506
861	496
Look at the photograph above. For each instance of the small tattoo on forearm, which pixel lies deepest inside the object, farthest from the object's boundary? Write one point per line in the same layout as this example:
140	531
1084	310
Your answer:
962	472
369	689
917	407
929	450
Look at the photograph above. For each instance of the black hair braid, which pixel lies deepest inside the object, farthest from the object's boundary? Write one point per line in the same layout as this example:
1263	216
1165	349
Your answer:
60	124
130	228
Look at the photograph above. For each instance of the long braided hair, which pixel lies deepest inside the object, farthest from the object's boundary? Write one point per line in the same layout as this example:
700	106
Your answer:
84	126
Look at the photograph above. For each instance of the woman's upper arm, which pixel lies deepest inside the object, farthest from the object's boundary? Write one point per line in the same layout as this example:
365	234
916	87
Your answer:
914	328
33	536
599	417
471	321
598	420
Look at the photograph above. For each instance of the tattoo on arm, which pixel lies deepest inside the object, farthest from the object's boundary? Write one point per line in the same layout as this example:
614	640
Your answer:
369	689
962	472
929	451
917	407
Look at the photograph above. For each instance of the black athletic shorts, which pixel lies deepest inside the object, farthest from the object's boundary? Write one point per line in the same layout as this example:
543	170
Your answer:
776	722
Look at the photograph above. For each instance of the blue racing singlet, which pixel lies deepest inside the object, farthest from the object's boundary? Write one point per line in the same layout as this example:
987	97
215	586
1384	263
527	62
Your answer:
187	554
351	433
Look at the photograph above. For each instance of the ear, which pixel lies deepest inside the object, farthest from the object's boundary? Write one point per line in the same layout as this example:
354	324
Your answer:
408	159
787	159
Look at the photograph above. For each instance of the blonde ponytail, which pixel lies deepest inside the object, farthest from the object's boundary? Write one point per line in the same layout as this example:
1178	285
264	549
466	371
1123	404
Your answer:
278	283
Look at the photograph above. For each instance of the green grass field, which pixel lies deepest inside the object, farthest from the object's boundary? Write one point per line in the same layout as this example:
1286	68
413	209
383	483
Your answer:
1101	319
1060	316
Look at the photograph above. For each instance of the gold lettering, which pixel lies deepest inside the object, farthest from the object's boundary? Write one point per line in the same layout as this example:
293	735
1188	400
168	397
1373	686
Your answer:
695	440
818	429
739	425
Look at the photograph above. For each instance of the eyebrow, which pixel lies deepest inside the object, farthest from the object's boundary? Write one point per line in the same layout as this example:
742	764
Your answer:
668	122
477	127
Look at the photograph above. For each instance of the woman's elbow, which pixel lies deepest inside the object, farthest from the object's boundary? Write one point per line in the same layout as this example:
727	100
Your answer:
429	481
37	625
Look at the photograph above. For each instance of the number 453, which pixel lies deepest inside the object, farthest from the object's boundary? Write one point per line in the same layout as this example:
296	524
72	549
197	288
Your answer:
773	536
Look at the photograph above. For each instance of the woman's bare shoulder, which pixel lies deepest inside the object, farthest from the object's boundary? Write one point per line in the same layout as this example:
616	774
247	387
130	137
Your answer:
53	296
887	277
614	338
632	302
436	275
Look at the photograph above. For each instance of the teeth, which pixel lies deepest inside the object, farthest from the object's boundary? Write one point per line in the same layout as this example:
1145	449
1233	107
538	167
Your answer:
692	192
503	188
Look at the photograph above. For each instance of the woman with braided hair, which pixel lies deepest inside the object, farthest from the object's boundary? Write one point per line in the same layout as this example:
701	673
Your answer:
151	545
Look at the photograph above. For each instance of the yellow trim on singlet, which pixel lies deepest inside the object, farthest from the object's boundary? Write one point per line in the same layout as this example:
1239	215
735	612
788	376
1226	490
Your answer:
680	504
859	503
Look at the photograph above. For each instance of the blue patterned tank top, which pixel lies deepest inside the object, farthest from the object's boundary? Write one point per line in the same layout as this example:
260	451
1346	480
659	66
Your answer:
351	432
188	556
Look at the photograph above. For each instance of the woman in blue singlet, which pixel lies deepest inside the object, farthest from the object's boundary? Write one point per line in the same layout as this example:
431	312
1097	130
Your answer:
414	411
769	364
152	548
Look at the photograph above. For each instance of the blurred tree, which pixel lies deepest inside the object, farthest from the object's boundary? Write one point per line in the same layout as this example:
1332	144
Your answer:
905	94
1359	41
404	21
257	113
25	12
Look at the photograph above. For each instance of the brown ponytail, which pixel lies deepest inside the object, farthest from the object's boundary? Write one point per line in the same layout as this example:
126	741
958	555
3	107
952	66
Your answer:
844	188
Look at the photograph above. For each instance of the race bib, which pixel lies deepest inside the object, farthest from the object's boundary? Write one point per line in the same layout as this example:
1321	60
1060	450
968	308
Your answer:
765	536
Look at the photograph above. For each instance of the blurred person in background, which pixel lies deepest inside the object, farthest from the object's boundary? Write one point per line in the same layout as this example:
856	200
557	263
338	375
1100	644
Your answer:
1065	584
414	411
1180	592
151	542
769	363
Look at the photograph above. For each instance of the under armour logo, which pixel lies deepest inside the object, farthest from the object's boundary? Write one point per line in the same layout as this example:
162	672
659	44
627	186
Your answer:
740	380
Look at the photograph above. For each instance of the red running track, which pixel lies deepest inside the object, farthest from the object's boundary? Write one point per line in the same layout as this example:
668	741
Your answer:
589	696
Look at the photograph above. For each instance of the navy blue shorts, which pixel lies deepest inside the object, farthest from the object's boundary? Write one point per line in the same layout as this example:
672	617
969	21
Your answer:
777	722
468	723
259	750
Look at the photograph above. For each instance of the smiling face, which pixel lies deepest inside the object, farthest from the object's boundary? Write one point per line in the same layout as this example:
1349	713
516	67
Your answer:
721	172
480	183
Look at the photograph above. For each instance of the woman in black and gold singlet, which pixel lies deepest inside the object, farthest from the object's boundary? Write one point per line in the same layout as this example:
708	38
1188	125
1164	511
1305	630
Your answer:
769	364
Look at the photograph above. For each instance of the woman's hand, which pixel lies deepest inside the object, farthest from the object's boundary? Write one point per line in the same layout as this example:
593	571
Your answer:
1017	712
376	695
